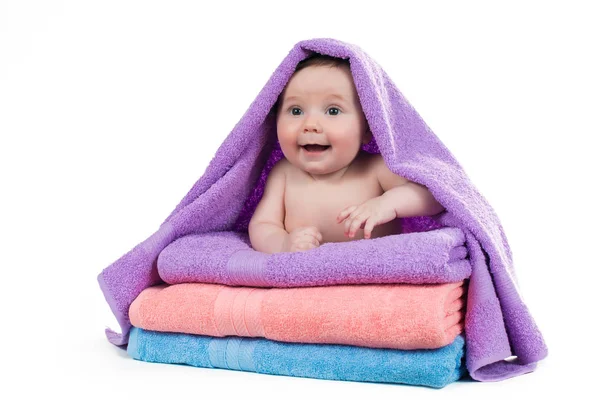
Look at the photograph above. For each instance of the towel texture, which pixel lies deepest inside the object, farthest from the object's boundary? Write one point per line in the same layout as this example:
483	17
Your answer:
382	316
437	256
498	323
434	368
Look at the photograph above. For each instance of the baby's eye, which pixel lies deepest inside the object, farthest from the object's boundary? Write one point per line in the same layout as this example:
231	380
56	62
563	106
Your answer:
295	108
336	109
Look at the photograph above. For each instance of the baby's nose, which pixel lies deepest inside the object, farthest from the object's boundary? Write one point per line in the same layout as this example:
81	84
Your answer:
312	127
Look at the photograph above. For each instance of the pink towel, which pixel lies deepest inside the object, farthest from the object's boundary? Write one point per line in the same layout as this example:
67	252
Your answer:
396	316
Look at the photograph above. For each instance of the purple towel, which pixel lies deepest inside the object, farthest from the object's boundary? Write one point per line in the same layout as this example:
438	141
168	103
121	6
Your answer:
498	323
437	256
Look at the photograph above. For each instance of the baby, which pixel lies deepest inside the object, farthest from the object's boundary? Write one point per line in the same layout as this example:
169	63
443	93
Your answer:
326	189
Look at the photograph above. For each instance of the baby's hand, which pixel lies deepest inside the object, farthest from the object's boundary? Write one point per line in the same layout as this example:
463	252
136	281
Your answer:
373	212
303	238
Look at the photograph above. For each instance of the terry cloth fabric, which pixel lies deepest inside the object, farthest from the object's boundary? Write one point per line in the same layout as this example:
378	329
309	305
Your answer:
498	323
437	256
380	316
434	368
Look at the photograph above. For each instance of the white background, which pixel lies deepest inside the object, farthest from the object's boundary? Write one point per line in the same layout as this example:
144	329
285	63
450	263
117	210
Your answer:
110	111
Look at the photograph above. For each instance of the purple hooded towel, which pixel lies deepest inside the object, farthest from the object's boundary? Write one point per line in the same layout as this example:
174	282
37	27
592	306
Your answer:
498	324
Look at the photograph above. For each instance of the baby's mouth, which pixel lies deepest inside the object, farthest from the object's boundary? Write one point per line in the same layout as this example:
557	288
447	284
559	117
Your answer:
315	148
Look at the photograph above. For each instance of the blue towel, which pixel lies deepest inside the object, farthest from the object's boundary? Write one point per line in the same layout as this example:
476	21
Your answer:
435	368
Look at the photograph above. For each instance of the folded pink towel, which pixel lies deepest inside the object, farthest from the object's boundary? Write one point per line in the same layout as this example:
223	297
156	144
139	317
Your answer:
397	316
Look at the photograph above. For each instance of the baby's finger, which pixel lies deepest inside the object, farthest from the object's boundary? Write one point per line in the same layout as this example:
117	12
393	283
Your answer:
369	225
345	212
310	239
305	246
356	224
314	232
317	233
348	224
357	211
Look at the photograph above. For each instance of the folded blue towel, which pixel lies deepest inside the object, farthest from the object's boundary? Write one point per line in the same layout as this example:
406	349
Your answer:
435	368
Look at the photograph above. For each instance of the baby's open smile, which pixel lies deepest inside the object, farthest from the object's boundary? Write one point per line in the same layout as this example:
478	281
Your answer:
315	149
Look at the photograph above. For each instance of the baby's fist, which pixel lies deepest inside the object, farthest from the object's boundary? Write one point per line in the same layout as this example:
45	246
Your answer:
303	238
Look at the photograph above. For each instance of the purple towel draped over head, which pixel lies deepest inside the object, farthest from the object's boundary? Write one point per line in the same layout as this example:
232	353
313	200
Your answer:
498	323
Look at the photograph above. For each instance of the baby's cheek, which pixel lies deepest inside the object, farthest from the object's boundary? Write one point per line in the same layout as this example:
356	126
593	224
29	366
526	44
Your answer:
345	149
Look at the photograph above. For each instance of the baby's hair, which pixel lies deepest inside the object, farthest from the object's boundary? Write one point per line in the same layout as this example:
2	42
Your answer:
322	60
316	60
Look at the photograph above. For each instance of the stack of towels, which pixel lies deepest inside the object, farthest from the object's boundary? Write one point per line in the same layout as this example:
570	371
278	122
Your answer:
393	332
343	310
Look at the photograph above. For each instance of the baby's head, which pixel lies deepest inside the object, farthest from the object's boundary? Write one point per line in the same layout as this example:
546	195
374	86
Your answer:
320	105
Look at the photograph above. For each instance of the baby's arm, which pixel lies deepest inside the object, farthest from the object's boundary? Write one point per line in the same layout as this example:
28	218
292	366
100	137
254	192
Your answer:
266	229
409	199
401	198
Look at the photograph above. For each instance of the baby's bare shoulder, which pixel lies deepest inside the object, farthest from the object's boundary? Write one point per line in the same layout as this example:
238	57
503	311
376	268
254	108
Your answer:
379	169
386	178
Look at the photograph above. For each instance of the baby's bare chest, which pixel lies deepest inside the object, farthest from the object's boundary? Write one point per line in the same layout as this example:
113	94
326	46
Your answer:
319	204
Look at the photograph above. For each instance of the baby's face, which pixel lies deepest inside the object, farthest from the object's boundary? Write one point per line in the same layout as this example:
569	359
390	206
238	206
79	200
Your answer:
320	106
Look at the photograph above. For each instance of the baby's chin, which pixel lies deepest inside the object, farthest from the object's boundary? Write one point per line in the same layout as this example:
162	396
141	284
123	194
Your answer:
320	170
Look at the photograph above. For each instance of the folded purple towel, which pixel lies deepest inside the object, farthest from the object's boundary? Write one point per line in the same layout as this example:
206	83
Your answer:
227	258
498	323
